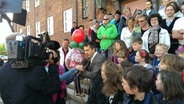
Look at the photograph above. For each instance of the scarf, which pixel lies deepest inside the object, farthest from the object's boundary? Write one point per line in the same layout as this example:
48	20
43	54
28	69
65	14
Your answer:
153	37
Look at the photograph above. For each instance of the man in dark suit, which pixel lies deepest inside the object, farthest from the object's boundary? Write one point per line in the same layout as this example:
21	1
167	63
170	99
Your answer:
93	72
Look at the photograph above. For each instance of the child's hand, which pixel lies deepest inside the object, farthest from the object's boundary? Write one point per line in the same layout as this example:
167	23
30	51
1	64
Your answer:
80	67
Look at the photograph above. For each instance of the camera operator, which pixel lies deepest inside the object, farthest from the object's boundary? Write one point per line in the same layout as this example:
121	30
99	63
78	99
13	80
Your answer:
32	85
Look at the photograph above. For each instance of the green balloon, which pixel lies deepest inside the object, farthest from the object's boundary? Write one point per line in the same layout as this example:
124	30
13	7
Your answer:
73	44
81	45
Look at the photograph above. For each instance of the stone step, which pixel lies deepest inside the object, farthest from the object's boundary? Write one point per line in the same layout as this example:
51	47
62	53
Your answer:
72	96
72	93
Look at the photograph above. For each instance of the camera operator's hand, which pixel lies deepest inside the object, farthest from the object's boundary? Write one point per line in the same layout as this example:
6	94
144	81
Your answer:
52	56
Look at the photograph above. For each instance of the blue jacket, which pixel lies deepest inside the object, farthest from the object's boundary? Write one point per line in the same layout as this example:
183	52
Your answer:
153	11
155	65
132	57
68	76
149	99
119	24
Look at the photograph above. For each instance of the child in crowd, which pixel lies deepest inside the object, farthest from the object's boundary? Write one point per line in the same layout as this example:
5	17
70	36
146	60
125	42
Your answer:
137	81
136	45
170	84
120	52
181	54
160	50
171	62
142	58
126	64
112	88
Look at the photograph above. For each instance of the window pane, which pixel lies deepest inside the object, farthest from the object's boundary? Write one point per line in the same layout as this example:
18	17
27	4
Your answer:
84	9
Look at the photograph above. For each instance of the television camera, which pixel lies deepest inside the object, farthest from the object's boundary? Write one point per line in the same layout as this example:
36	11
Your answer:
31	50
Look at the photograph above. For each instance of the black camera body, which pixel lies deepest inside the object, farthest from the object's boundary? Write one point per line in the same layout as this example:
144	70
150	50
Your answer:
29	51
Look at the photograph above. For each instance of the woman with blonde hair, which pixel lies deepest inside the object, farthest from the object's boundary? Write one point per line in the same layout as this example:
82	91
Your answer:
120	52
126	34
127	12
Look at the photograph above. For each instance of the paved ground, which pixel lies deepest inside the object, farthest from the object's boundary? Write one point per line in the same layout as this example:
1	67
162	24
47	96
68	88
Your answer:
69	101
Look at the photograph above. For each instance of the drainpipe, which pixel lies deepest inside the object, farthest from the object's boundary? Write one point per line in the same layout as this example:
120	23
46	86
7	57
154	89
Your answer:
75	11
93	9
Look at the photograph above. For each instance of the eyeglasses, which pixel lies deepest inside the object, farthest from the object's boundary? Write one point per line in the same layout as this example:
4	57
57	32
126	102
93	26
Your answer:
141	21
105	19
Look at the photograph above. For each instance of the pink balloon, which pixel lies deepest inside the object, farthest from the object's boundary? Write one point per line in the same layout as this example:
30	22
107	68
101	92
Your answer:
78	36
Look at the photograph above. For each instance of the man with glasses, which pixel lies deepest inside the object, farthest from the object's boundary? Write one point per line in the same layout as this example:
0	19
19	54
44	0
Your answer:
107	33
143	23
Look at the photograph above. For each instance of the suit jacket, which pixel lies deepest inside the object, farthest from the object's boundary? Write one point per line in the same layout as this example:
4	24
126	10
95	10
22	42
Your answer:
94	73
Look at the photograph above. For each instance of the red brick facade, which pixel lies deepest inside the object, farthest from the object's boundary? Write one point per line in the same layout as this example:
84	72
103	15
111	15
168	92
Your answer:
55	8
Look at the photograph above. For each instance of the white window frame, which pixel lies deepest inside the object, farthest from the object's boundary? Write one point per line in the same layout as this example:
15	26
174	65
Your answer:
37	3
20	31
27	5
28	30
50	25
37	28
67	16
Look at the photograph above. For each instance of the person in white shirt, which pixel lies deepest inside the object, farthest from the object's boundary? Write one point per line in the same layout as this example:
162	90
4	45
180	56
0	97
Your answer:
63	52
178	29
126	33
155	34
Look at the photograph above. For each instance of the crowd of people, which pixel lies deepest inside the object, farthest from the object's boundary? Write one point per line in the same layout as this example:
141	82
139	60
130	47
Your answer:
146	45
130	59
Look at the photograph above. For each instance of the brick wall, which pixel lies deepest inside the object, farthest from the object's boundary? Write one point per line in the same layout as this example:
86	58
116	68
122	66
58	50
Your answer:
55	8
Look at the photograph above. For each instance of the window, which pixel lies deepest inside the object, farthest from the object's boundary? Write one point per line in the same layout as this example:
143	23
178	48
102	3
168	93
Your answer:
67	20
50	25
28	30
37	28
27	5
84	9
20	31
37	3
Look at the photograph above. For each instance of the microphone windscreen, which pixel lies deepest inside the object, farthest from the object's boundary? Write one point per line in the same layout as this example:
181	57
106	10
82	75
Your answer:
85	62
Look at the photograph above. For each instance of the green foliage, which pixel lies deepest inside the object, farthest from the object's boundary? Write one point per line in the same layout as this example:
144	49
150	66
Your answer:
2	50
